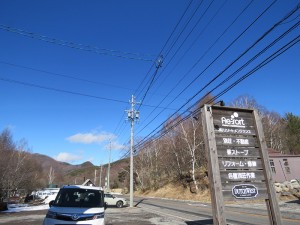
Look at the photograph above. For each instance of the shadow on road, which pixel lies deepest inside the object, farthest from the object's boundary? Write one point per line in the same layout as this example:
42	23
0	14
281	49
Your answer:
139	202
200	222
294	201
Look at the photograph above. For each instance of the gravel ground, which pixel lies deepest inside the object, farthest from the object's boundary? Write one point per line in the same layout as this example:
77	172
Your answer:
137	216
114	216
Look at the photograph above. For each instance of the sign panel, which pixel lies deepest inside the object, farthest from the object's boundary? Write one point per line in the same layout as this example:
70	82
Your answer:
237	159
232	176
238	151
241	141
234	151
244	191
234	163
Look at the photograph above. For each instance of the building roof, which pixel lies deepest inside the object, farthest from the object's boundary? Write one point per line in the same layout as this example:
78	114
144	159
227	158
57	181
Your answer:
88	182
274	153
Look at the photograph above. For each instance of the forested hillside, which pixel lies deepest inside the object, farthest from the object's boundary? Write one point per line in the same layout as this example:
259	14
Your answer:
177	155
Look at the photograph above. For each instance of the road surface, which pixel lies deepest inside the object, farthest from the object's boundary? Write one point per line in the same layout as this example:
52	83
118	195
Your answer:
150	211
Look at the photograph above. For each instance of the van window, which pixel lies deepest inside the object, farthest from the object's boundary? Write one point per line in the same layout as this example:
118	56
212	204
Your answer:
77	197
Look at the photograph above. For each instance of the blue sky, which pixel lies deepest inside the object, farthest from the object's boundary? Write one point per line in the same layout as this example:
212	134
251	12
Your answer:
64	87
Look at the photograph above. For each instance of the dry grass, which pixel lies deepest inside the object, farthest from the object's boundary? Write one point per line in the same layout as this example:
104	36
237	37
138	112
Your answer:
173	191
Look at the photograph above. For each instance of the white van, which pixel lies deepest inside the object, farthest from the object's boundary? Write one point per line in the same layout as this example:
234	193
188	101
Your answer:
77	204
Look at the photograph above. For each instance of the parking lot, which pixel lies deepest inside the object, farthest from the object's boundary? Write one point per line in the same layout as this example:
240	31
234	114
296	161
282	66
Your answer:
114	216
163	212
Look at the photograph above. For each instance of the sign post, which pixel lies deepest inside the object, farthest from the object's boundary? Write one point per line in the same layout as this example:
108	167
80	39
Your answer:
238	163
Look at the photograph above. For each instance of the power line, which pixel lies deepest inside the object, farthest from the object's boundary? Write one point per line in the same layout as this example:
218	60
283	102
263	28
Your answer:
65	76
164	46
89	48
68	92
190	32
187	36
161	83
266	33
272	3
185	26
259	66
159	64
209	65
160	55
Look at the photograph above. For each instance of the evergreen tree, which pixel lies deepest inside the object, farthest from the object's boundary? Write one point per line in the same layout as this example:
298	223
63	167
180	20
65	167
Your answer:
293	133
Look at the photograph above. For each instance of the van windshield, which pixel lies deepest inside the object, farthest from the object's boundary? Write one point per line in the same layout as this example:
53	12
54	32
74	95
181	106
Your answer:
78	197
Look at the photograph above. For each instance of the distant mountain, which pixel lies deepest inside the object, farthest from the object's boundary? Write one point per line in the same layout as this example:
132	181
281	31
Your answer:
87	164
46	162
66	173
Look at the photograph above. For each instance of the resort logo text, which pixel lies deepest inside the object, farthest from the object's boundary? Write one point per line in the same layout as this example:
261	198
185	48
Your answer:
233	121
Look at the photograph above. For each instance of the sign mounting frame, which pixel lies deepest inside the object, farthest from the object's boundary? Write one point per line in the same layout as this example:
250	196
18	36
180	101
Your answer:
234	138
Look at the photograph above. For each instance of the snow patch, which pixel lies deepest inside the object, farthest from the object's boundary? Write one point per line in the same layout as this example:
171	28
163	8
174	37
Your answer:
24	207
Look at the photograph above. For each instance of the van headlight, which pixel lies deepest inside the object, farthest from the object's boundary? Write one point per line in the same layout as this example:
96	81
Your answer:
98	216
51	215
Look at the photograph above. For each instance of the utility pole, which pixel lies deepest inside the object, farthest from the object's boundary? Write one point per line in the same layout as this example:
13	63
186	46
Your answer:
108	170
100	178
95	178
132	116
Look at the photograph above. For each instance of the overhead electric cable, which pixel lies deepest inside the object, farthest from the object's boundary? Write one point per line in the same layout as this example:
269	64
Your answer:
191	31
188	35
184	28
160	53
209	65
183	77
65	76
211	46
158	66
89	48
66	91
267	32
262	64
258	40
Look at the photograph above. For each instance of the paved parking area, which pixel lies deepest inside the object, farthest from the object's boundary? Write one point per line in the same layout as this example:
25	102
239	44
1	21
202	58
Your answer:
137	216
113	216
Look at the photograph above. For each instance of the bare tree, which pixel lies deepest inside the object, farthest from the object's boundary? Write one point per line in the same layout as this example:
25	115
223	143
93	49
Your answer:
51	175
190	138
247	102
17	168
274	130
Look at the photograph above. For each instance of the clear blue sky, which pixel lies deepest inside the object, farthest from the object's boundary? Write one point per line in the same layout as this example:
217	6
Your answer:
64	88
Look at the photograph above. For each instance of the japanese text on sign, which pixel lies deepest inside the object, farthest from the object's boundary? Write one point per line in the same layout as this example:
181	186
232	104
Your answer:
236	176
239	141
235	152
230	163
235	131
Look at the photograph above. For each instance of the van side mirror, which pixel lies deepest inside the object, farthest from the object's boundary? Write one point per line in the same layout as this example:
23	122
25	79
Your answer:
105	205
51	203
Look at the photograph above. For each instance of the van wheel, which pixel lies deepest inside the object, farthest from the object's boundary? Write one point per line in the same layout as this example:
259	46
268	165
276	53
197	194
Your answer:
119	204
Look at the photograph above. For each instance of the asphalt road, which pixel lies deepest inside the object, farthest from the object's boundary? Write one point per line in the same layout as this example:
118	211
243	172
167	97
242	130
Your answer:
148	211
192	213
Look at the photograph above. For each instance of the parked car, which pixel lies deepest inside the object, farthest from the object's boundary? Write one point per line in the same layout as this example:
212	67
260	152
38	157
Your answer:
112	200
77	204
